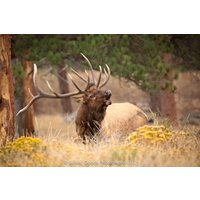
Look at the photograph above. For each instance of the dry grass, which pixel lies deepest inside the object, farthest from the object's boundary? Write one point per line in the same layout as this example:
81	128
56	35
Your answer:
58	146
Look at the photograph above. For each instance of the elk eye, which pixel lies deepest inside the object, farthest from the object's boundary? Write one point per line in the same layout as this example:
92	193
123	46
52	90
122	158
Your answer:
92	96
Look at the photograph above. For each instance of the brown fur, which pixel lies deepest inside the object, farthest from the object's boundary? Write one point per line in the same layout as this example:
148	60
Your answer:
92	112
94	101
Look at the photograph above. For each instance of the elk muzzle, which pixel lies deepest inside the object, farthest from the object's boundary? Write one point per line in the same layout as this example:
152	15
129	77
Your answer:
108	95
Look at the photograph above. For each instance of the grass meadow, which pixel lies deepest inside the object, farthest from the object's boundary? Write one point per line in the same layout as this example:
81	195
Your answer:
56	144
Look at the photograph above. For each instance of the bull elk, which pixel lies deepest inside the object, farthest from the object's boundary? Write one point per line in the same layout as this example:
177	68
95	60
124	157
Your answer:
94	100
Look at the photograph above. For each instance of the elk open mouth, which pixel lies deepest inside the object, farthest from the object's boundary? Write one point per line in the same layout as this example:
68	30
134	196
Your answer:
107	101
108	94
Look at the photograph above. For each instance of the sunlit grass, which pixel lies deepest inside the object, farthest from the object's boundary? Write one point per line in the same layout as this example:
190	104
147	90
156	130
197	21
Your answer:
56	144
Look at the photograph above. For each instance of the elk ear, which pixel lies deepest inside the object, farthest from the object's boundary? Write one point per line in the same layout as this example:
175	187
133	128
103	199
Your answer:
78	99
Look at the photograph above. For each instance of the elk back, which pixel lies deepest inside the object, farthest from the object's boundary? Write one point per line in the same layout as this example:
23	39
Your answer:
123	118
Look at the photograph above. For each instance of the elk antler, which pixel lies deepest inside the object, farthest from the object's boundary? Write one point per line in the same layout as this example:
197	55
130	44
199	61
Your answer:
96	83
42	94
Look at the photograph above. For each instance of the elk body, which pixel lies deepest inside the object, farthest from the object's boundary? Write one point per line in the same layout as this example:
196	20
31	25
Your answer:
123	118
94	101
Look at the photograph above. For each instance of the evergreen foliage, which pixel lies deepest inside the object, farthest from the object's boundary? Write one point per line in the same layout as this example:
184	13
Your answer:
136	57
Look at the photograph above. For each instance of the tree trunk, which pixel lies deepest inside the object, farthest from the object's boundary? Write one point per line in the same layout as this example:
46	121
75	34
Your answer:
7	116
28	117
163	102
64	88
168	103
19	122
155	102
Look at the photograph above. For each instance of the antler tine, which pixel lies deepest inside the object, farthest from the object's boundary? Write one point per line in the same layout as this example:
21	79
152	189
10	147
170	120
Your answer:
107	73
34	76
30	92
88	83
99	79
37	88
28	105
81	77
51	89
91	68
88	80
77	87
39	91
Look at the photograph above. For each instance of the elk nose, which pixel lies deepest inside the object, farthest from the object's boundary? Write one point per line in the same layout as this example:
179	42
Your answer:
108	94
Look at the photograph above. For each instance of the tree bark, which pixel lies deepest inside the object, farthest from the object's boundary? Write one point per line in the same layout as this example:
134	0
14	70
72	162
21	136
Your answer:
19	122
28	127
7	116
163	102
155	102
64	88
168	103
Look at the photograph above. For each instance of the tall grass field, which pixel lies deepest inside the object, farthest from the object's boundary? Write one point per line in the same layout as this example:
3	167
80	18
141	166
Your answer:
56	144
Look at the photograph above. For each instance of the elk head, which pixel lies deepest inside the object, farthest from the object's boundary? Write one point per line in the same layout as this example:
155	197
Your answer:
93	99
